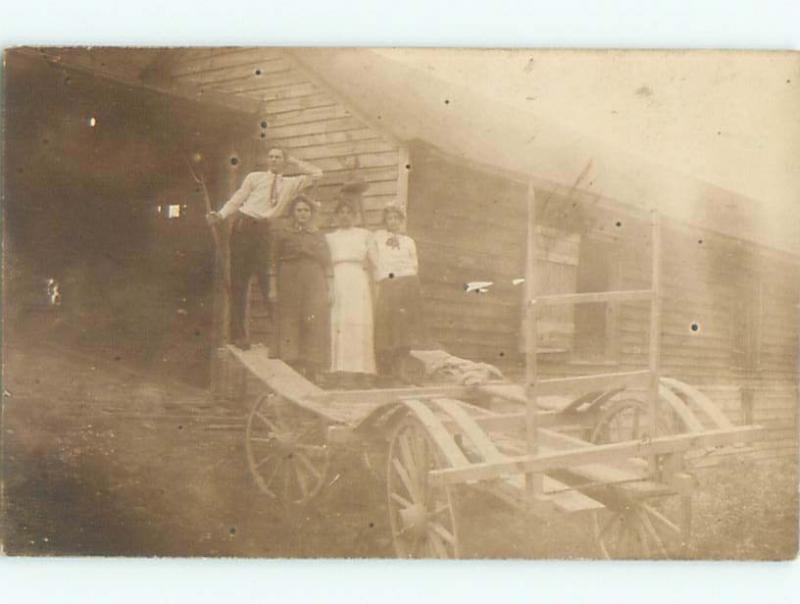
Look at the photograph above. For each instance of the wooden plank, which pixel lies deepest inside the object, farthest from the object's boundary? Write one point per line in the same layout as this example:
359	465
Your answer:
363	160
368	174
443	439
279	106
384	396
516	393
611	296
381	187
261	85
287	133
618	470
515	422
705	404
344	149
466	424
282	92
680	408
222	61
563	460
328	138
554	492
281	379
312	114
245	70
589	383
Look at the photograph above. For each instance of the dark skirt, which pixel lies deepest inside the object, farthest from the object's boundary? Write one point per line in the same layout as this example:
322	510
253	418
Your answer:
398	315
303	333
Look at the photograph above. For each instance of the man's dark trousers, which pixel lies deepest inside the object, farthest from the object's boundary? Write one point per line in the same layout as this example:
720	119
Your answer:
249	255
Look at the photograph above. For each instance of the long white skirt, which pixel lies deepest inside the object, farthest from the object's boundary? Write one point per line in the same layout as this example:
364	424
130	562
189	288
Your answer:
352	348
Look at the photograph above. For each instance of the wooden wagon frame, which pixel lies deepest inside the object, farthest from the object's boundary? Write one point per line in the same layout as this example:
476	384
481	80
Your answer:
613	445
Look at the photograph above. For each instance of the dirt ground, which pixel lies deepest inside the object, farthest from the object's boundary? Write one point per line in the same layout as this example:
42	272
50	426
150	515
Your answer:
100	460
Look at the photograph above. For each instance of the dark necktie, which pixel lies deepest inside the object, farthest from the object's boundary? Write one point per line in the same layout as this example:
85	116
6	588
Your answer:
273	191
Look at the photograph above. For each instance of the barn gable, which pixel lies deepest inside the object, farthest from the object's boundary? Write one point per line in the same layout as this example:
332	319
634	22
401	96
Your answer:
294	110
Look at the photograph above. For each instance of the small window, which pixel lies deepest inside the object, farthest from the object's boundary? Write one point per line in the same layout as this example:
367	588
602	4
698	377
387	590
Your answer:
172	210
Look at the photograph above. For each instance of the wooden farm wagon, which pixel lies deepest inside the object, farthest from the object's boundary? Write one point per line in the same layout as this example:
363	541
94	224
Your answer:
612	445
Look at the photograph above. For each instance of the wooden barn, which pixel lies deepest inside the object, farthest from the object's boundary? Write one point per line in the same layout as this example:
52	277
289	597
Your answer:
461	170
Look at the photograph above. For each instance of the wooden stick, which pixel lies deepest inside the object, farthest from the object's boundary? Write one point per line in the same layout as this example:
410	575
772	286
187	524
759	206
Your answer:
220	257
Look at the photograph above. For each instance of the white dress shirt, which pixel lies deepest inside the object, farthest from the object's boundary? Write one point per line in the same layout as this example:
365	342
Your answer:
392	254
259	198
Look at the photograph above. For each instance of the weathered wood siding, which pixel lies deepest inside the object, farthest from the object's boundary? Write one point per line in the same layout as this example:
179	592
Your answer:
299	114
730	326
471	226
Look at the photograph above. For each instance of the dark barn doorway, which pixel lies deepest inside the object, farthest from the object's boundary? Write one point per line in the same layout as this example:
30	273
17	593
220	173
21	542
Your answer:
100	206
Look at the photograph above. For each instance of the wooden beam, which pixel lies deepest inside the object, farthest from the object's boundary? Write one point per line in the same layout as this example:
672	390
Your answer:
533	482
516	393
439	434
680	408
589	383
611	296
702	401
223	59
385	396
281	379
527	464
654	356
556	497
467	425
515	422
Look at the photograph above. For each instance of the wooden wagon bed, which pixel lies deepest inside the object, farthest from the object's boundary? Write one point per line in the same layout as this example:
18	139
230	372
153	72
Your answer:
471	436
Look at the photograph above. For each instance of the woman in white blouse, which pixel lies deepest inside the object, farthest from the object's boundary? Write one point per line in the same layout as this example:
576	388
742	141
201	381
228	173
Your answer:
352	351
398	307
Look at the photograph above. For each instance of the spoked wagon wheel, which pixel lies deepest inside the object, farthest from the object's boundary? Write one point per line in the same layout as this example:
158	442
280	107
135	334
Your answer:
286	451
636	530
421	515
373	456
628	420
629	529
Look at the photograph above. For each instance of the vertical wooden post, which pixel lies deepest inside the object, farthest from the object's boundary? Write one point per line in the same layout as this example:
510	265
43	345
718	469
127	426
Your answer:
533	481
655	329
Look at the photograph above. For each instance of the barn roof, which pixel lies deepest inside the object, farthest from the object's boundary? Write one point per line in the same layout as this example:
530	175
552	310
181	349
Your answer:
412	103
409	103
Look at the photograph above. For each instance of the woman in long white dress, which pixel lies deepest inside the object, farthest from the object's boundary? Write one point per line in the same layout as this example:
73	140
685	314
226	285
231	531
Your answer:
352	350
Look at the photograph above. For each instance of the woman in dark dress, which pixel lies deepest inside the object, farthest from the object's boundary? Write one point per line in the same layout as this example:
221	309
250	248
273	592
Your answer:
399	325
301	277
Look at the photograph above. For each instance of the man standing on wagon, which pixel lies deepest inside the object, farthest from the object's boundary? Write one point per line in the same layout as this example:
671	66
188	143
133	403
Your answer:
262	198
